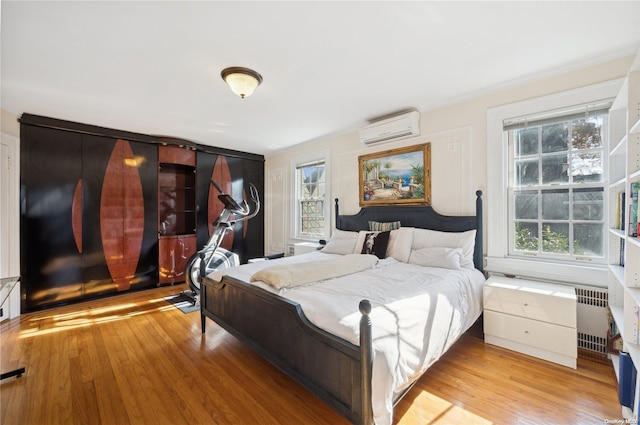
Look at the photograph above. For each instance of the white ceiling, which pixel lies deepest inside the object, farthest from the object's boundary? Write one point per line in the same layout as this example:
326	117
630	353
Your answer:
328	67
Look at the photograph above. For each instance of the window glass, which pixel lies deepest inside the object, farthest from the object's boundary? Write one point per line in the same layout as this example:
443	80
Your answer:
527	142
555	137
588	239
557	189
555	169
555	238
311	199
526	204
526	172
555	204
526	237
587	204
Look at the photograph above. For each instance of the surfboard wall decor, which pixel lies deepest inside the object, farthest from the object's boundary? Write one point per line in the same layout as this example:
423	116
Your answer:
122	215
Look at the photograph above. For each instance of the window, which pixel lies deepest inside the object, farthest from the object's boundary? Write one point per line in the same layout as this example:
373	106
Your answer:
556	189
553	194
311	205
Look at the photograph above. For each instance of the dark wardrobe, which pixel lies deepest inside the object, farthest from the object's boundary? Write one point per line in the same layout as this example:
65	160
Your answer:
90	202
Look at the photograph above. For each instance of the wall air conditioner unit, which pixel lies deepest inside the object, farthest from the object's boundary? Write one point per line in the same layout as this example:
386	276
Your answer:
392	128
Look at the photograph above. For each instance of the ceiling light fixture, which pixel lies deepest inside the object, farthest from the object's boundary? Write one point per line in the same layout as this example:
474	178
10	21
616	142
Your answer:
242	81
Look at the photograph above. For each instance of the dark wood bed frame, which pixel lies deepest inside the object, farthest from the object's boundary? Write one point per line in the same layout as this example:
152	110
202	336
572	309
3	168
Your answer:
333	369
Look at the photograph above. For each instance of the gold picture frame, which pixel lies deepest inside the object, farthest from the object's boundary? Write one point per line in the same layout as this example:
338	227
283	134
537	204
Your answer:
396	176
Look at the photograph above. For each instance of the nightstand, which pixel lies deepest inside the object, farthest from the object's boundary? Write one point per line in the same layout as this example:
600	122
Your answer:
534	318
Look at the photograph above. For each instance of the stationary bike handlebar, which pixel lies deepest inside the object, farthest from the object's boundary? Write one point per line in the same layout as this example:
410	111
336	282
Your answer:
233	212
233	209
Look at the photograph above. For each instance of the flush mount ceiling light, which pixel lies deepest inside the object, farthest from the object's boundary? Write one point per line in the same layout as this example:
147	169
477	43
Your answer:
242	81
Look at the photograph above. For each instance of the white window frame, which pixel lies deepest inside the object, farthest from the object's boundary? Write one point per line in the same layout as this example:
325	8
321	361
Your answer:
569	186
322	156
497	234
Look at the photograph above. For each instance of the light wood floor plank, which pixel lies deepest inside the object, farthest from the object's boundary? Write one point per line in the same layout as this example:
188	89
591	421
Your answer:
135	359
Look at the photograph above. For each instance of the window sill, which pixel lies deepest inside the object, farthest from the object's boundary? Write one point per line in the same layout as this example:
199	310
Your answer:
589	275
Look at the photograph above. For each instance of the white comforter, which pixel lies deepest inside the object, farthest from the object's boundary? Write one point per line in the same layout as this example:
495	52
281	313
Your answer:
418	313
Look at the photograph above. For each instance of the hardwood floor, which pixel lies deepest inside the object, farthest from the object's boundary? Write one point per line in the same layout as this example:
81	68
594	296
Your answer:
136	359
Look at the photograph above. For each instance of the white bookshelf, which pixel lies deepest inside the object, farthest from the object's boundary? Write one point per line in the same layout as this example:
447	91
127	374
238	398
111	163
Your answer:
624	169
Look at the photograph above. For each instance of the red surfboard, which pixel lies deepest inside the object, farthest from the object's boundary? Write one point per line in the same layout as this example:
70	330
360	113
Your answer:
122	215
222	176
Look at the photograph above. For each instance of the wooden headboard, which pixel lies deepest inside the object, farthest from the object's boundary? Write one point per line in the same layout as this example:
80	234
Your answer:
421	216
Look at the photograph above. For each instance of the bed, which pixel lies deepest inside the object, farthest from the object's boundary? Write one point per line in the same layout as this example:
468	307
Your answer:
357	349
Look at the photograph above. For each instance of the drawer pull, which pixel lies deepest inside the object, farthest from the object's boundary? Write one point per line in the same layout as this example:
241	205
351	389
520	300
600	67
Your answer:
526	305
526	332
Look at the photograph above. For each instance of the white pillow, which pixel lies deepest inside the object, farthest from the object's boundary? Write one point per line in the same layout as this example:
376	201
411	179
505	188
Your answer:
400	242
424	238
342	246
437	256
342	242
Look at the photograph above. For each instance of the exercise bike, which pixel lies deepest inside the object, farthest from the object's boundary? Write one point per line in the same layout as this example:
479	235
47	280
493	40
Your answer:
213	257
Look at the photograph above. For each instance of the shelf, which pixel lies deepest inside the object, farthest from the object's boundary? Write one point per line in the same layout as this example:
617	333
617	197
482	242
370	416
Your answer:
634	350
618	316
617	232
624	168
618	273
615	361
622	182
620	148
635	294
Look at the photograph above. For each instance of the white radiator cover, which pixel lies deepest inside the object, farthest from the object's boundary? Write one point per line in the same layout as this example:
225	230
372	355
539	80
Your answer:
593	321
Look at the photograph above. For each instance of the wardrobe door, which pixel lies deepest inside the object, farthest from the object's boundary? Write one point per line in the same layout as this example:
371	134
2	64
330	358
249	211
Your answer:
50	234
233	175
119	215
253	233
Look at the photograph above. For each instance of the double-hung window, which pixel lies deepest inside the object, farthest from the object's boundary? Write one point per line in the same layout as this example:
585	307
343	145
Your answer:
556	187
547	186
311	203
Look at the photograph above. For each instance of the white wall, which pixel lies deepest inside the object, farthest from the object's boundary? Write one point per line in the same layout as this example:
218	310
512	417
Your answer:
458	136
9	211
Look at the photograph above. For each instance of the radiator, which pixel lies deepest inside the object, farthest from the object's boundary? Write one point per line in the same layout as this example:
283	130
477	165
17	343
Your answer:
593	321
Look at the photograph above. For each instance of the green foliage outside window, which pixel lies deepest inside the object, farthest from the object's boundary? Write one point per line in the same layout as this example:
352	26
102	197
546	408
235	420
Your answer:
554	242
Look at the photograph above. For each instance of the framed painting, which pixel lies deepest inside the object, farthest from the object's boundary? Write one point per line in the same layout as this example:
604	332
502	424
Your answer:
397	176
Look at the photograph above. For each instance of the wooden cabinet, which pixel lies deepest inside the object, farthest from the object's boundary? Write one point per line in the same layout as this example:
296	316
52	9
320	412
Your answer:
104	211
176	211
534	318
173	254
86	209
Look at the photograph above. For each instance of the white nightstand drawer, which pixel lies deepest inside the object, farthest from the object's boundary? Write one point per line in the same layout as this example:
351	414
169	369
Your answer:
545	336
534	300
